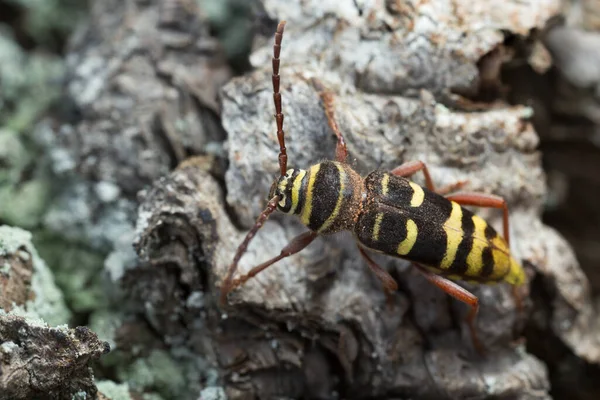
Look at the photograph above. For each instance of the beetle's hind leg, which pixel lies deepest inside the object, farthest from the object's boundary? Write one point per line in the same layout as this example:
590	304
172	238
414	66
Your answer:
460	294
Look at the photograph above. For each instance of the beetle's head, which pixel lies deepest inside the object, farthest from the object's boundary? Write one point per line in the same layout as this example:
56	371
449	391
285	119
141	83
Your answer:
282	187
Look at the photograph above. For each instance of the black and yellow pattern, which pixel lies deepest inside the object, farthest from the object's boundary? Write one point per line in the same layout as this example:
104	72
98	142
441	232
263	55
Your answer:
405	220
395	216
325	196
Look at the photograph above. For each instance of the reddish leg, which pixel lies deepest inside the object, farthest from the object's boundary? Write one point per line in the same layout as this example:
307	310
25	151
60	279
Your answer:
389	284
410	168
518	298
451	187
460	294
341	152
297	244
484	200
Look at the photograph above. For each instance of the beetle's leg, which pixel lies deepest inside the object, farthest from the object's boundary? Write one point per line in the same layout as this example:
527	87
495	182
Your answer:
389	283
297	244
484	200
518	297
451	187
341	152
460	294
410	168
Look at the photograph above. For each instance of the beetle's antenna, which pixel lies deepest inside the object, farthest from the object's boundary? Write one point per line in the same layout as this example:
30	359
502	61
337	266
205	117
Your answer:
277	99
226	285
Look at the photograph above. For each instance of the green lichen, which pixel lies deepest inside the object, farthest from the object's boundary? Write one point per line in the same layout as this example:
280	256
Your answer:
77	270
151	396
158	371
105	323
114	391
24	205
23	202
174	374
231	23
48	303
45	19
27	91
30	83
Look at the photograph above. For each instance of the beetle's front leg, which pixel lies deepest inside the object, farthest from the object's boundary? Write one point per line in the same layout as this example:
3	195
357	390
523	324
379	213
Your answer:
297	244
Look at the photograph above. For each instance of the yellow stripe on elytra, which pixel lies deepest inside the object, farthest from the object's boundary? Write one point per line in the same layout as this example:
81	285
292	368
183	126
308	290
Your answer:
340	199
418	195
475	257
411	237
384	184
377	226
296	186
454	235
307	209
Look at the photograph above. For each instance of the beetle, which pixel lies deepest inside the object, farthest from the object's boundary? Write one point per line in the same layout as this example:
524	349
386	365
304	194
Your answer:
387	213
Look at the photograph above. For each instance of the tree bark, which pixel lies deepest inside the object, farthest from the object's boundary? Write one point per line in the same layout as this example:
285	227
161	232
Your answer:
408	85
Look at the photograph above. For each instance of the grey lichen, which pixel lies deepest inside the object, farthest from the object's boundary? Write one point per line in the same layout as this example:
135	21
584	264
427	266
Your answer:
213	393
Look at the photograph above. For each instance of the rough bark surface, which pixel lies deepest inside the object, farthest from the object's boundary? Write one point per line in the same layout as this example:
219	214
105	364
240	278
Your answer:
411	80
145	79
36	360
397	72
567	115
141	95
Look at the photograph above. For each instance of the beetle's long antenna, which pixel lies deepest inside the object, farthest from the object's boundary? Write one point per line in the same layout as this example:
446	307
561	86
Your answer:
277	98
226	285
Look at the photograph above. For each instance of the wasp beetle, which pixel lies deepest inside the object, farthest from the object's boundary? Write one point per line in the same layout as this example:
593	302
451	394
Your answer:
389	214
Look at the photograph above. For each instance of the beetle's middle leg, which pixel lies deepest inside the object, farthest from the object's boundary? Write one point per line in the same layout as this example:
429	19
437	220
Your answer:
389	283
410	168
460	294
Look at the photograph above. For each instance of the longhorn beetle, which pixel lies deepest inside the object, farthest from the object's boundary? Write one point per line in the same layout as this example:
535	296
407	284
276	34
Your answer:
389	214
